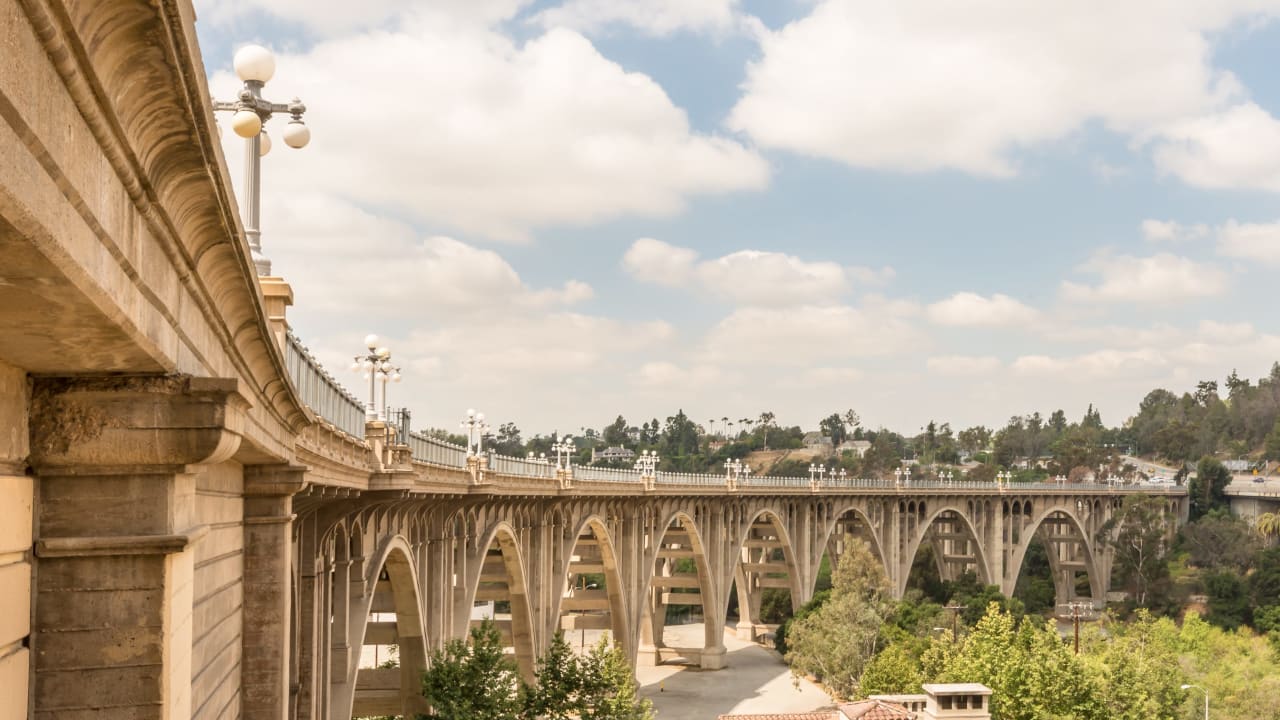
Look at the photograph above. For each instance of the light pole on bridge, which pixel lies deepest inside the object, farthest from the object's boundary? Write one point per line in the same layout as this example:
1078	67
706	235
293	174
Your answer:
476	429
374	364
563	448
254	66
647	464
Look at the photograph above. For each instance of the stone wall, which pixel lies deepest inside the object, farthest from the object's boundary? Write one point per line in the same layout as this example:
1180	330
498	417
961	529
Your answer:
15	544
218	594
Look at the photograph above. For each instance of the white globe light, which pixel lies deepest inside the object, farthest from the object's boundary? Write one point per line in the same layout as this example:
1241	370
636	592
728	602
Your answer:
471	412
246	123
383	352
370	341
395	378
264	143
254	62
296	134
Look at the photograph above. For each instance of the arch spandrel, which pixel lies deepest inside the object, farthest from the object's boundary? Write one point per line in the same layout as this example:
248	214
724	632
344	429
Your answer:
921	531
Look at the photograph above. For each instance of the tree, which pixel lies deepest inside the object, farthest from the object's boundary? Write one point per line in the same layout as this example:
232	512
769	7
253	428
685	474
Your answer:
1268	526
615	433
1220	541
894	670
472	681
1228	600
1206	391
836	641
1137	668
1272	447
1031	672
1137	534
833	425
558	693
766	422
609	689
1208	490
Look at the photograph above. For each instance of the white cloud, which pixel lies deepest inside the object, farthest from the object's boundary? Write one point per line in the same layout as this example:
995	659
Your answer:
1236	148
1258	242
970	309
328	247
1157	279
920	85
1093	365
1168	231
460	126
808	335
745	277
653	17
963	365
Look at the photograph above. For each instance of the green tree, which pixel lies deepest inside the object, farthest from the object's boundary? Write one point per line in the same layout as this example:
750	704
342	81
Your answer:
837	640
833	426
1208	490
609	689
557	694
766	423
472	681
1137	534
1228	599
1137	669
894	670
1273	442
1220	541
615	433
1031	672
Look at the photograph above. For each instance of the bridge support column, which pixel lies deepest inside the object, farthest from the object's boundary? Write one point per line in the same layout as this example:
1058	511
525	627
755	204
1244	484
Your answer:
268	574
16	502
115	461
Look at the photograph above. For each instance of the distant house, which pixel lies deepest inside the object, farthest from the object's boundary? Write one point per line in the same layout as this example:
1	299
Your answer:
612	454
857	447
817	441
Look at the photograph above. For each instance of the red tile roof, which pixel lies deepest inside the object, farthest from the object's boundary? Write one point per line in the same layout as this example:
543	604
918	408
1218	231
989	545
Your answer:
875	710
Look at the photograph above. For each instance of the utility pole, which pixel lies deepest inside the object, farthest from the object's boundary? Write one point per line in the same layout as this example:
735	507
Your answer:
1078	610
955	620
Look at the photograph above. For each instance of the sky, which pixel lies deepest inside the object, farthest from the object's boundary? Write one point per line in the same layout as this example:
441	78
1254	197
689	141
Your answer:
555	212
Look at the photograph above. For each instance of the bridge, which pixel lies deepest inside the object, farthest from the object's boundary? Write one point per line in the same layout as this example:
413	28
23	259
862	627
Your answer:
197	521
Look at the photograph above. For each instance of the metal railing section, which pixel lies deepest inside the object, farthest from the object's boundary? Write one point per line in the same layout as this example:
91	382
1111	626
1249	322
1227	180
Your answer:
434	451
320	391
603	474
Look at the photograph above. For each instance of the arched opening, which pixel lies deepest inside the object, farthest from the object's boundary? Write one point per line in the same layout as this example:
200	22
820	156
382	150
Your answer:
1053	563
764	580
850	523
678	591
949	537
392	646
500	595
593	600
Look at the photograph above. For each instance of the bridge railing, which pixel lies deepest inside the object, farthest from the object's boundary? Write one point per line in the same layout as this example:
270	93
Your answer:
524	467
320	391
435	451
604	474
693	479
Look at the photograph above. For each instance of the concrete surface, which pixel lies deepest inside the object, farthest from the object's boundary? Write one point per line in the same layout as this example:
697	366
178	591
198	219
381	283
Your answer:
754	681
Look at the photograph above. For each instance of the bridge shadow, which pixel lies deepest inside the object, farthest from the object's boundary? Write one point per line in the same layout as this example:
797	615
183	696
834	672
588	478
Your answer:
755	680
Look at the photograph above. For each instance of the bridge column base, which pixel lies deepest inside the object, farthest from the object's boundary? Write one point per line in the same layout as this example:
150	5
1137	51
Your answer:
712	658
745	630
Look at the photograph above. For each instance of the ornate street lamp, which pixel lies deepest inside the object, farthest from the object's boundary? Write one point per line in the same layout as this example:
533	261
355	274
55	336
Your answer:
374	364
255	65
947	476
1003	477
816	472
647	463
476	429
564	450
902	476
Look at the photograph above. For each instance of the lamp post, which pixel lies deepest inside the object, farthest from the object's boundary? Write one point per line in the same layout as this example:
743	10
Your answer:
254	66
647	464
1206	698
540	459
902	476
1003	477
476	429
947	476
563	448
374	364
816	472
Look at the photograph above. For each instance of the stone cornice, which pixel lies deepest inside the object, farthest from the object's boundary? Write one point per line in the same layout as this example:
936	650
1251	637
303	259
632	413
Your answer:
119	544
133	71
161	421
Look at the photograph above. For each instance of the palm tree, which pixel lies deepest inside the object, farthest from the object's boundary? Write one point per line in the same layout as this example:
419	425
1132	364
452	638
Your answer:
726	422
766	419
711	424
1268	525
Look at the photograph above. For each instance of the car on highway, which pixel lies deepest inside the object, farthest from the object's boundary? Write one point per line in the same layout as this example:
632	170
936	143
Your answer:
1158	480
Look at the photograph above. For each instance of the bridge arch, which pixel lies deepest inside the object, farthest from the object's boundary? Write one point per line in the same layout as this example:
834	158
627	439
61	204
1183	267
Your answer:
389	690
860	521
677	538
756	567
1067	553
499	576
594	548
922	523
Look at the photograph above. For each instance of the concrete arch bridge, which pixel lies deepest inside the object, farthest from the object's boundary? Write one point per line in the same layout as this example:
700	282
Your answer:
197	522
